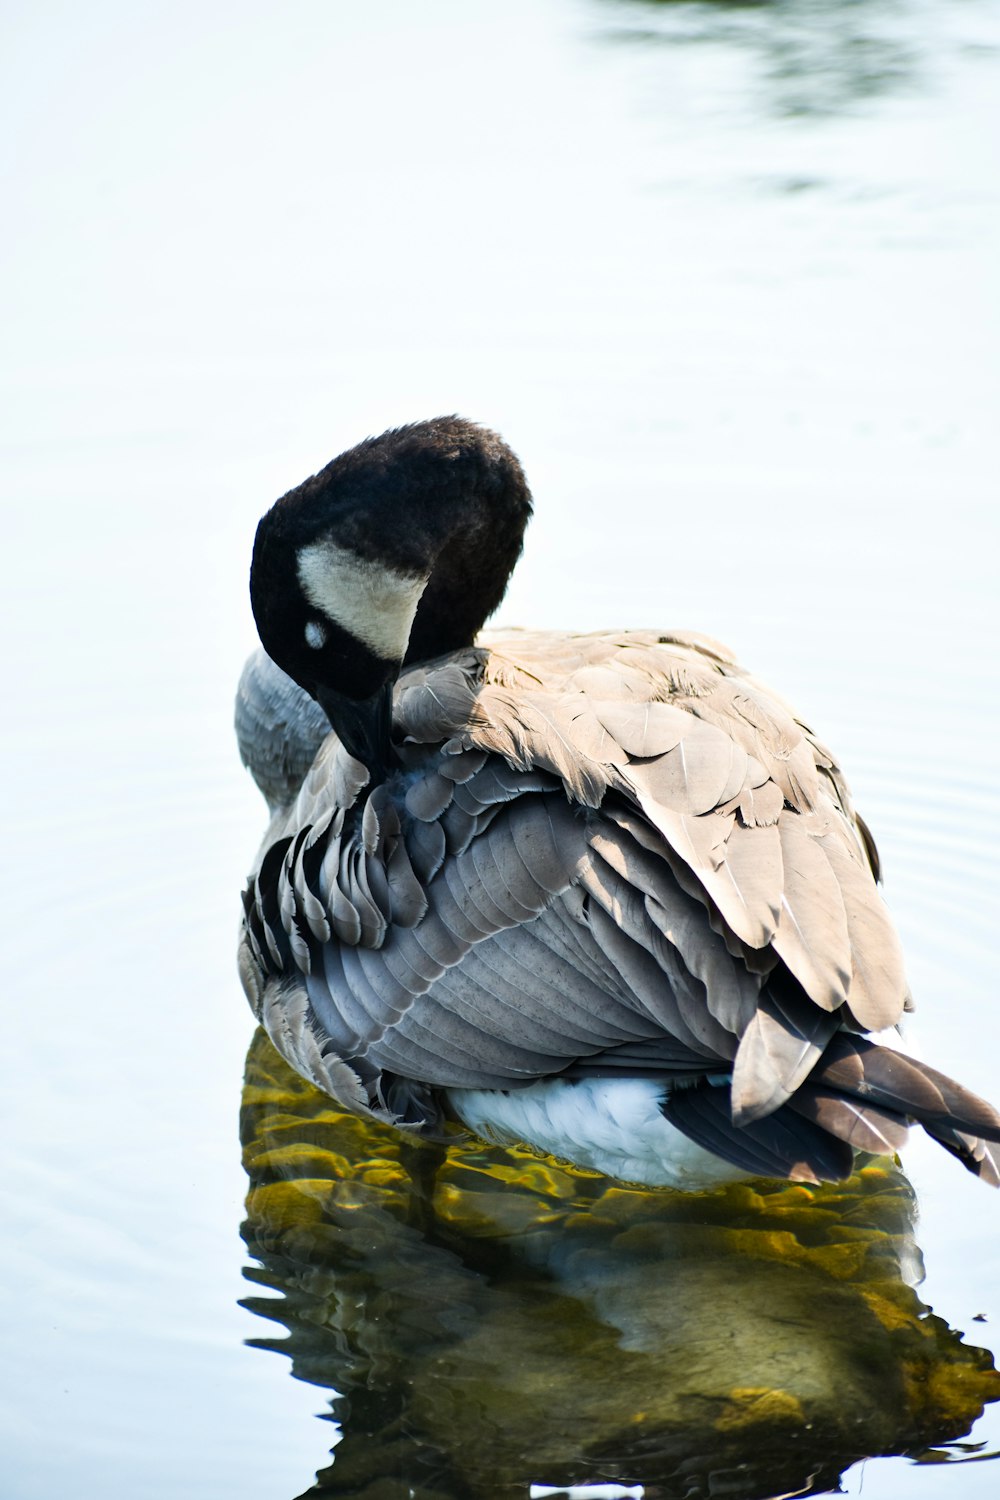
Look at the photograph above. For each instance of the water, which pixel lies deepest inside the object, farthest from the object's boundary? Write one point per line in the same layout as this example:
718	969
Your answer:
724	276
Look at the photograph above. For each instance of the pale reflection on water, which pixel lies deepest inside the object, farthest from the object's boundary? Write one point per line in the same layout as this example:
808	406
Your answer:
808	57
490	1319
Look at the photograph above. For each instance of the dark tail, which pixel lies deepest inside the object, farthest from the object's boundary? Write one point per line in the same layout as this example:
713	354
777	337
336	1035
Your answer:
859	1097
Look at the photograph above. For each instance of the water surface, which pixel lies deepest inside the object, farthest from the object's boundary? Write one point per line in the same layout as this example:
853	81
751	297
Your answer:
724	276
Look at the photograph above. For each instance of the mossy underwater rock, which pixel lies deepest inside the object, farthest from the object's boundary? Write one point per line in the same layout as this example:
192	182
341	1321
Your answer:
491	1319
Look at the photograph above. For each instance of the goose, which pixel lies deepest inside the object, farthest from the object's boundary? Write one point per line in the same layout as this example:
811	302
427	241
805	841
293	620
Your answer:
603	895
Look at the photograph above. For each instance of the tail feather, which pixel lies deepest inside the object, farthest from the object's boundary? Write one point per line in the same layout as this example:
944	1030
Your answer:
865	1127
854	1067
858	1097
782	1144
978	1156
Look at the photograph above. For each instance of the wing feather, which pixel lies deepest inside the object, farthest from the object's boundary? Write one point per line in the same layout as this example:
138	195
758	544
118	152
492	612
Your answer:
750	880
812	935
877	992
647	981
780	1145
729	990
428	797
777	1052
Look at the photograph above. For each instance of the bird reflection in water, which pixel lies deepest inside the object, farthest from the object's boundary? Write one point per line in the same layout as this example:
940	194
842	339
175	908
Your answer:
490	1320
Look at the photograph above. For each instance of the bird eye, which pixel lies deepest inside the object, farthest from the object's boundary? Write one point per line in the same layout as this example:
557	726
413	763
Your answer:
315	634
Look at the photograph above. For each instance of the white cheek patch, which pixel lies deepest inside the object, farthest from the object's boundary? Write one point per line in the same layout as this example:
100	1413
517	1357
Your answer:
315	635
373	603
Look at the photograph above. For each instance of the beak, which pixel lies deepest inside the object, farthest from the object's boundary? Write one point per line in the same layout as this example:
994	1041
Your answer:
364	727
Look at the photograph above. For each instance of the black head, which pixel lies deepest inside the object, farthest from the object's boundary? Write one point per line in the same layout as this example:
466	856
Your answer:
397	550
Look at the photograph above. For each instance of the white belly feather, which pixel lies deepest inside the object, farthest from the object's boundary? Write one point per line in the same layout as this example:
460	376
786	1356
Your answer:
608	1125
